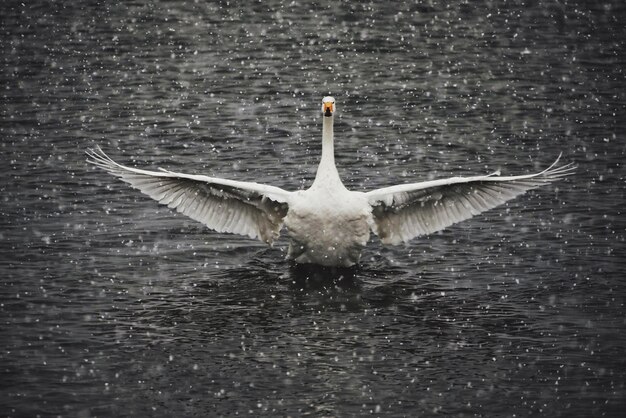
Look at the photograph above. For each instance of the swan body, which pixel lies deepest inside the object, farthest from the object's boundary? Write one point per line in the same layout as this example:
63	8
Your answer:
328	227
328	224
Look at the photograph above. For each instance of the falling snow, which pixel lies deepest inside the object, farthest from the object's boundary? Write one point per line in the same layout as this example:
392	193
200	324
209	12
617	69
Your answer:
113	306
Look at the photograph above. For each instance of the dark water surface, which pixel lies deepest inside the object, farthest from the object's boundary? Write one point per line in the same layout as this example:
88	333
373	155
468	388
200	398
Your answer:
112	306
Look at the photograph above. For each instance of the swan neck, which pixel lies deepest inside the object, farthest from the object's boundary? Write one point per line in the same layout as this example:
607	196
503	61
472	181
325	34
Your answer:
328	146
327	174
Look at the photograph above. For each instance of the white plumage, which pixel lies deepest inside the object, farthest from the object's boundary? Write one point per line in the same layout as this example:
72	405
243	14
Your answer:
327	223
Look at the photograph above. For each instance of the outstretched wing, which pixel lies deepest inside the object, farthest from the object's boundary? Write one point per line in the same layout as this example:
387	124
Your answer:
406	211
251	209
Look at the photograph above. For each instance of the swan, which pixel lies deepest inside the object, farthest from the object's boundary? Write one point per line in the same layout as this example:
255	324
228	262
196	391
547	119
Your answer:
327	224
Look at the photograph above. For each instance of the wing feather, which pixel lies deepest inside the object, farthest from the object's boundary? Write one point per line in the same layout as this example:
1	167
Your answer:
406	211
244	208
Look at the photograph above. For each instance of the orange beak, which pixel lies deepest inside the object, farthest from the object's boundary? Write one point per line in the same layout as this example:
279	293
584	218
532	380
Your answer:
327	108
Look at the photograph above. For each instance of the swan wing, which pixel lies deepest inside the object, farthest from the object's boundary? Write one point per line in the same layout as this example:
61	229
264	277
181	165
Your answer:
406	211
251	209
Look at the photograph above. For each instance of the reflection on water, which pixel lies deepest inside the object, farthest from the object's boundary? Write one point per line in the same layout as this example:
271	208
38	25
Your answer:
113	306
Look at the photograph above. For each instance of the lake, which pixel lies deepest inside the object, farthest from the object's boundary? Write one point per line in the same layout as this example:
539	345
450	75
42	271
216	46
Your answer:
115	306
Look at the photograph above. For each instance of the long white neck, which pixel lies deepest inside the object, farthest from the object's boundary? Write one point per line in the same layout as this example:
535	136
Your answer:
327	174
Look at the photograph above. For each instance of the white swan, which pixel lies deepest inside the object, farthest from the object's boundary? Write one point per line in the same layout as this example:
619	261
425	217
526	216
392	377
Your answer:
327	223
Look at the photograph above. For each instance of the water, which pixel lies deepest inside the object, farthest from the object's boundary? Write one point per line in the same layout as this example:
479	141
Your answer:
114	306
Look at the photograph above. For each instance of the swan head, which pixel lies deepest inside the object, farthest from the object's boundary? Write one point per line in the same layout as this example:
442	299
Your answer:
328	106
